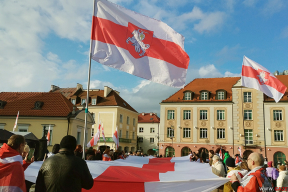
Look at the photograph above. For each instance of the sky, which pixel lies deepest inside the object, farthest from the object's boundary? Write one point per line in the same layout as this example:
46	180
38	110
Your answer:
44	43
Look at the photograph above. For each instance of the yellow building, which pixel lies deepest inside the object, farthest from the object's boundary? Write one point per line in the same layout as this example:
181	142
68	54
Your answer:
214	113
109	108
38	110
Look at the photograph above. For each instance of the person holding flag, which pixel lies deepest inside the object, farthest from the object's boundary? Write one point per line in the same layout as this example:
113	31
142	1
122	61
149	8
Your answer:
116	138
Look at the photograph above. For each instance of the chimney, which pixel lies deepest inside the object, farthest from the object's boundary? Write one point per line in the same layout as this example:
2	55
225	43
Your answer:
107	90
143	113
79	86
151	113
54	87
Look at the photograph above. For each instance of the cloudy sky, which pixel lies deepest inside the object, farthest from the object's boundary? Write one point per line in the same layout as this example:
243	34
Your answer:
44	43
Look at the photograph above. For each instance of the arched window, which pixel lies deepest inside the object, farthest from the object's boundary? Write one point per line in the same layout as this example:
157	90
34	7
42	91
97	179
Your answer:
169	152
279	157
185	151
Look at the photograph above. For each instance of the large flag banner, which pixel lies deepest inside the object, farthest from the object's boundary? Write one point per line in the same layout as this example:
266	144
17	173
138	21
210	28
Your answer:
258	77
16	121
116	138
146	174
137	44
48	136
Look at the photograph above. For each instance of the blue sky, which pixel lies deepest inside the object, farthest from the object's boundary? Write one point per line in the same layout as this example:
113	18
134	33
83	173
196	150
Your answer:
47	42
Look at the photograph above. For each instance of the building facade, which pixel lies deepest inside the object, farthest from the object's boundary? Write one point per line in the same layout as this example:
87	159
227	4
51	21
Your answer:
109	109
148	133
216	113
39	111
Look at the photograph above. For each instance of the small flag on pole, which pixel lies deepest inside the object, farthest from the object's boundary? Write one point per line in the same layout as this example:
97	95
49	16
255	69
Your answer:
96	137
139	45
258	77
220	153
103	135
16	121
116	138
48	136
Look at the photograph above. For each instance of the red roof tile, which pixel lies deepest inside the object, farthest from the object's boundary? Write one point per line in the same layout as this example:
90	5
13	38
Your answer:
67	92
208	84
147	118
55	104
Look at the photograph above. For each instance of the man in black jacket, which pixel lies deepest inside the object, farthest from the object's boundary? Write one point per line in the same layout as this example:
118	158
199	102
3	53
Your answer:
64	171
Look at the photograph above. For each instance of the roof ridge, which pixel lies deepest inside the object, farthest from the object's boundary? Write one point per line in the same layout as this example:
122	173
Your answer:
65	101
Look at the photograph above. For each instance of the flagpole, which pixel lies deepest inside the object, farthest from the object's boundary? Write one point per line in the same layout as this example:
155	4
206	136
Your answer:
88	87
264	127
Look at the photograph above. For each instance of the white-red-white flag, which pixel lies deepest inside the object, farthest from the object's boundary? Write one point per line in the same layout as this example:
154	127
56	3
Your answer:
95	138
137	44
240	151
16	121
258	77
103	135
48	136
116	138
220	154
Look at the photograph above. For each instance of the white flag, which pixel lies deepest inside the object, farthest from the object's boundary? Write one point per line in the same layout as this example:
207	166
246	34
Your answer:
16	121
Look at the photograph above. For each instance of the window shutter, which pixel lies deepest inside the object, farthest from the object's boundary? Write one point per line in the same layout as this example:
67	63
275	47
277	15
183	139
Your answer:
225	94
192	95
208	95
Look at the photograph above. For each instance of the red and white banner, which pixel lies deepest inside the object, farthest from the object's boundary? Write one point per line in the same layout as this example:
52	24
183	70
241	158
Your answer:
48	136
147	174
103	135
258	77
95	138
137	44
220	154
116	138
16	121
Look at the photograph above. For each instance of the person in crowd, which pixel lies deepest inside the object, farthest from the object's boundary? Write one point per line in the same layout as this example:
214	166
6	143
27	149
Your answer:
26	151
256	179
98	155
197	158
278	164
89	152
106	155
55	150
64	171
217	166
226	156
244	166
233	169
272	173
91	157
78	151
237	160
211	154
282	180
12	166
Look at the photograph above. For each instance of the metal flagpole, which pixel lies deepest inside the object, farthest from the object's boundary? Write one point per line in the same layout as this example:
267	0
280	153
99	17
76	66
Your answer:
88	87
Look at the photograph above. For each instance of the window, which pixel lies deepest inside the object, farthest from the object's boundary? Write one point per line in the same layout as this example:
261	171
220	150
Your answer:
278	135
247	97
221	133
247	114
92	132
141	129
186	132
140	140
220	114
151	140
73	101
170	114
83	101
23	128
133	135
152	130
79	136
248	136
277	115
128	120
203	114
187	96
186	114
134	122
120	133
121	118
220	95
203	133
127	134
170	132
204	95
93	101
45	133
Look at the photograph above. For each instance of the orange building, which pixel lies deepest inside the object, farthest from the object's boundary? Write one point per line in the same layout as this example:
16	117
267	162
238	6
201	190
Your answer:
214	113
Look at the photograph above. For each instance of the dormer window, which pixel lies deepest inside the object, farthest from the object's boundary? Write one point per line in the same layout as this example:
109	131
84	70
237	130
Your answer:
38	104
220	94
73	101
2	104
187	96
204	95
94	101
83	101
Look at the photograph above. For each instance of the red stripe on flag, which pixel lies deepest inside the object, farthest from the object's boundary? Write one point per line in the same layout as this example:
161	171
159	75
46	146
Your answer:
92	142
272	81
124	178
109	32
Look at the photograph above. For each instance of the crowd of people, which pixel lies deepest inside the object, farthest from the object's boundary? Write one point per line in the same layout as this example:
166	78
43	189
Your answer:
64	169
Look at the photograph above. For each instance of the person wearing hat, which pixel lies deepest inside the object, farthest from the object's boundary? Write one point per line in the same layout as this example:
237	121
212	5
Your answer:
233	169
64	171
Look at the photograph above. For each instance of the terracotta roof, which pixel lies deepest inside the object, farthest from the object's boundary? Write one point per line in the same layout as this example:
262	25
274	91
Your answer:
209	84
54	104
284	80
112	99
67	92
147	118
